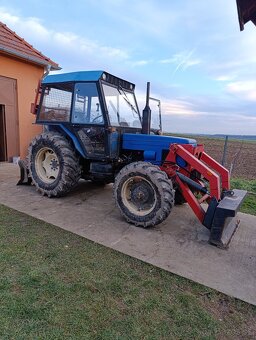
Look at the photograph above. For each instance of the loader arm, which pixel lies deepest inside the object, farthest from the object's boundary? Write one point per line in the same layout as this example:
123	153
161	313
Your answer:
223	204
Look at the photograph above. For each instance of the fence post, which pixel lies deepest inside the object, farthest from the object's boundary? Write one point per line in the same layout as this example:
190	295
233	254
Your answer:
224	152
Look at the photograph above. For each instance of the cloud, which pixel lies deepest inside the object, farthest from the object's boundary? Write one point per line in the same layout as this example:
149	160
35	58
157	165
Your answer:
146	17
142	40
206	114
33	30
245	89
210	124
141	63
225	78
178	107
30	25
232	56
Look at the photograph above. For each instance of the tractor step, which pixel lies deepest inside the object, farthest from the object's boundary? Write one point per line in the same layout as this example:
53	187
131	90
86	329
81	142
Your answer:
225	222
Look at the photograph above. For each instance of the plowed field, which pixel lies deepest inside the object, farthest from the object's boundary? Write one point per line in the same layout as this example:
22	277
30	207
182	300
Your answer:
241	153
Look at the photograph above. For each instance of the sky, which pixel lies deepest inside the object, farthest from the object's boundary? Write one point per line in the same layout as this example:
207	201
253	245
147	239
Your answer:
201	67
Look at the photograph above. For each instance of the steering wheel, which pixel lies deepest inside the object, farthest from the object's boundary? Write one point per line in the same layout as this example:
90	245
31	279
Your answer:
95	119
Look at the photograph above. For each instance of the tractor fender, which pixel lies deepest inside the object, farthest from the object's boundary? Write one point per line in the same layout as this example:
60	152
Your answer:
74	140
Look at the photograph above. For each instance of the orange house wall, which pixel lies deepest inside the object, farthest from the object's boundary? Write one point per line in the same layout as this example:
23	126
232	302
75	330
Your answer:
27	76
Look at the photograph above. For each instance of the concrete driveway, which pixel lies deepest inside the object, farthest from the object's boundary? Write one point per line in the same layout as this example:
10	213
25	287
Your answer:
178	245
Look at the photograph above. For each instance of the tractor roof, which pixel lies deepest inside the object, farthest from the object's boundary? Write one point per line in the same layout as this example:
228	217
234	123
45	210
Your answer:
73	77
246	12
84	76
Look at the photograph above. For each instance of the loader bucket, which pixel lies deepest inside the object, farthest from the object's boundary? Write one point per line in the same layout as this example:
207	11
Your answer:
225	222
24	177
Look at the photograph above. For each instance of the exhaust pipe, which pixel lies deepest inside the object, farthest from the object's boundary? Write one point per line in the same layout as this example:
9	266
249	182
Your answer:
146	115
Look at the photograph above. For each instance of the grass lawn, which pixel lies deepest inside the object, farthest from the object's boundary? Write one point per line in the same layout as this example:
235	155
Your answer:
57	285
249	204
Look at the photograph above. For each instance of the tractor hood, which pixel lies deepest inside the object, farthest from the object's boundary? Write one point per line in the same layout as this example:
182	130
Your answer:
152	145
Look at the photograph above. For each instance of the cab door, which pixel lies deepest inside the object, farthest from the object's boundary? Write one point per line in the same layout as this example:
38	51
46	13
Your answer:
88	120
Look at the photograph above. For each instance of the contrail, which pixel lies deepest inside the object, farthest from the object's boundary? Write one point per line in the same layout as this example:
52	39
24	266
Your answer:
183	62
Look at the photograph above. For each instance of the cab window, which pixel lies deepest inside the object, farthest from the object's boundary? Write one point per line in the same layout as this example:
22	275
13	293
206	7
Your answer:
121	106
56	104
86	106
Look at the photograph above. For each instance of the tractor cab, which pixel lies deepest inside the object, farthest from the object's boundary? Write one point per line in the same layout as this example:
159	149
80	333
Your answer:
93	108
100	114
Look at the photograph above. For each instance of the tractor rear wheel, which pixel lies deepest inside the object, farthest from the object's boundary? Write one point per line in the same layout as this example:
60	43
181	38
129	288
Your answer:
53	164
143	194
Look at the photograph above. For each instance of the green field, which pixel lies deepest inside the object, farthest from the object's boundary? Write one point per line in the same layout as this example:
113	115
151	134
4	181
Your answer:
57	285
249	205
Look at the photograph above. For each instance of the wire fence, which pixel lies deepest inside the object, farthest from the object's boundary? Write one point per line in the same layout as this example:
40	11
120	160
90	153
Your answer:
238	156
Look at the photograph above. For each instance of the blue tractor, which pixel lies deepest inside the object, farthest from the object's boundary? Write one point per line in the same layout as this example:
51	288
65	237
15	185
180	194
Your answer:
93	130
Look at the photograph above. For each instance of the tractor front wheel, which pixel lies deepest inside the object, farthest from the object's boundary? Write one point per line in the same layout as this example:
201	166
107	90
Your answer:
53	164
143	194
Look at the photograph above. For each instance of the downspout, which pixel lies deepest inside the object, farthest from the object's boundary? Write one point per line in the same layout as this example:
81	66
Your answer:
47	70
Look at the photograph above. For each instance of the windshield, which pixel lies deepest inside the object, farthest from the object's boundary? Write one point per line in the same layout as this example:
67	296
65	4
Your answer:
155	106
122	107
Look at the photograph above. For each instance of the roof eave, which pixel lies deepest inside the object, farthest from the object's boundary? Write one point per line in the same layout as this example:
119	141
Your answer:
240	16
246	12
38	61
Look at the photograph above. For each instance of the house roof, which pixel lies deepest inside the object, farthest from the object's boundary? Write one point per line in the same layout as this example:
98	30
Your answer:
246	12
12	44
